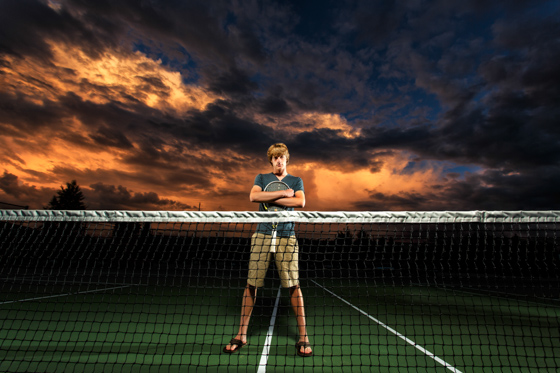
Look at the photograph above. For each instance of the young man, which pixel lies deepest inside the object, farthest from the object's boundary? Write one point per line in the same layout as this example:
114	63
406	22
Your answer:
286	254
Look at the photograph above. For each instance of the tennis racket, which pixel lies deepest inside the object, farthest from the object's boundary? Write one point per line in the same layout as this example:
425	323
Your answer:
274	187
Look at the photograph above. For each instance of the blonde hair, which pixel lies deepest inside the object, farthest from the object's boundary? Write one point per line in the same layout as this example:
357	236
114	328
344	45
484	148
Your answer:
278	150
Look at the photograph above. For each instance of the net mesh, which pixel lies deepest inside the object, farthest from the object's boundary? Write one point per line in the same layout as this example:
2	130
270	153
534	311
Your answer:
125	291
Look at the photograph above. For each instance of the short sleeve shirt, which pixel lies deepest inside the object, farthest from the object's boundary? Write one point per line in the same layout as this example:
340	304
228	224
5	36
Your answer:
295	183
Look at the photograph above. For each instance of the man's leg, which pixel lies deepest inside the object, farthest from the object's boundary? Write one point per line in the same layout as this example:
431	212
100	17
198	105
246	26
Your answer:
258	264
249	296
296	298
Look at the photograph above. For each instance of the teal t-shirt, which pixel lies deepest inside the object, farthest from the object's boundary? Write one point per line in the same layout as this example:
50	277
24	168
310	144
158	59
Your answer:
295	183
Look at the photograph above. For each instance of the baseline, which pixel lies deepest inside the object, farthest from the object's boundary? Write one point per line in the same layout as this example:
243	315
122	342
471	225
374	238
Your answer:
63	295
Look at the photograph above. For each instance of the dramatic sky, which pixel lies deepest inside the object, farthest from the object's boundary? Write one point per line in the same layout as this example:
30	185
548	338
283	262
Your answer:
384	105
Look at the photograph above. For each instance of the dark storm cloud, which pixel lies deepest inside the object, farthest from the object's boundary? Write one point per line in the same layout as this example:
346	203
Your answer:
180	179
25	115
111	137
21	116
274	106
331	149
27	25
512	124
248	41
500	112
491	190
232	82
13	190
501	118
403	201
207	31
9	185
199	27
114	126
103	197
377	21
219	127
473	82
193	23
108	122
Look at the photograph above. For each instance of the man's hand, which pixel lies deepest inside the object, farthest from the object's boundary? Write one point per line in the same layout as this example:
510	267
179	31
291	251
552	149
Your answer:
288	193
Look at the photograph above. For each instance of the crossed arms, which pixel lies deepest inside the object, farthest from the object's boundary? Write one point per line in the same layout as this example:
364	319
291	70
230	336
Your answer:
286	198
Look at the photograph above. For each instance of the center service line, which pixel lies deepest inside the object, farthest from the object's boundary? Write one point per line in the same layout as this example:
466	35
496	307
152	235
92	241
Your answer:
266	349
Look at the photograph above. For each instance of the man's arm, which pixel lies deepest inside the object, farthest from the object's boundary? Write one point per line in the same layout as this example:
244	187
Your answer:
286	198
298	200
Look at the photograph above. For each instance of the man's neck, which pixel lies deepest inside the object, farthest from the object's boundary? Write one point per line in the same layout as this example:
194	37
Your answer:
280	174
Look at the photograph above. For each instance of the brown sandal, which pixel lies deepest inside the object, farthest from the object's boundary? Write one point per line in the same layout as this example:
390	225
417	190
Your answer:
299	345
235	342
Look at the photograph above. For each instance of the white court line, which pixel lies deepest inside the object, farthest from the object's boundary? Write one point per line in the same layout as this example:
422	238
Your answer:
481	293
404	338
267	342
501	295
62	295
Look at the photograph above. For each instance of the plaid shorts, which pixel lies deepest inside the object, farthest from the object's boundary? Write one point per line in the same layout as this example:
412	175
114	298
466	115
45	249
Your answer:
286	257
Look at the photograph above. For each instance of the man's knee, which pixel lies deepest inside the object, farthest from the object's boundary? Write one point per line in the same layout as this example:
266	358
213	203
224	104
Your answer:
251	290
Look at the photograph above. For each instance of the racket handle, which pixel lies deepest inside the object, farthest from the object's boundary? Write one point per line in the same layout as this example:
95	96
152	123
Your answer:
273	242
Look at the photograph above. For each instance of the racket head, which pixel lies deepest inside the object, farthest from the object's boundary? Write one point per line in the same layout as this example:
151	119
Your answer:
273	187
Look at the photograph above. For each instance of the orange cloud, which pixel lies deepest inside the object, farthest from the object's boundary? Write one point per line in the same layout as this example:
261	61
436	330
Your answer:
128	78
305	121
336	190
114	77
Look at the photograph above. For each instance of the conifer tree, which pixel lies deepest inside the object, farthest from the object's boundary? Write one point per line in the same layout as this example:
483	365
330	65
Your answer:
69	198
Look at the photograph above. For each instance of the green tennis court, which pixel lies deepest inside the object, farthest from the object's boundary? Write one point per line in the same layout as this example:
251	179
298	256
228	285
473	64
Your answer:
357	326
94	291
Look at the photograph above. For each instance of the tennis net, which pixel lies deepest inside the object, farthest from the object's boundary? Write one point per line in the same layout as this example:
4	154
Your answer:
136	291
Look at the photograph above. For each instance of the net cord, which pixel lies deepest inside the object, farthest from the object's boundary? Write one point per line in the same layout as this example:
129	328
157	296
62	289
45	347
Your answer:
283	216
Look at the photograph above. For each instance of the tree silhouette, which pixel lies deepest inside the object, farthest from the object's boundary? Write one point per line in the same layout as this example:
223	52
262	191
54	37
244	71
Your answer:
69	198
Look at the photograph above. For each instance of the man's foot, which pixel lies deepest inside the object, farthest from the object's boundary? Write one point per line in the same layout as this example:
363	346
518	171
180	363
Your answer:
304	349
234	346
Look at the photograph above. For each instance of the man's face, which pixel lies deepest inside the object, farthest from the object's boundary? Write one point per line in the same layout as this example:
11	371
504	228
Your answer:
279	162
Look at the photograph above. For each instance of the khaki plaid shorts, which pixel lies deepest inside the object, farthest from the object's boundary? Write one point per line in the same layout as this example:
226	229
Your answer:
286	257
